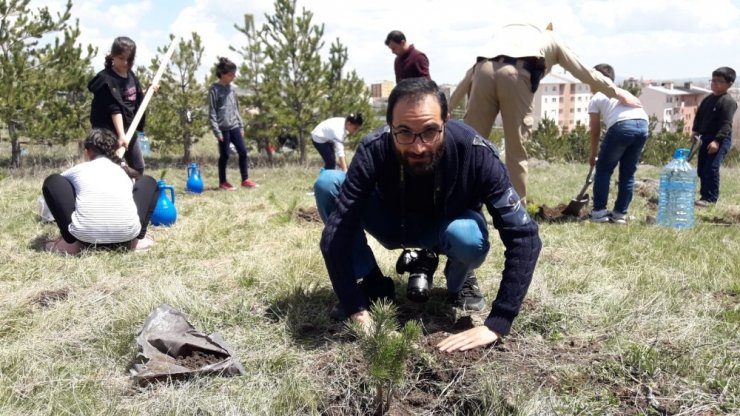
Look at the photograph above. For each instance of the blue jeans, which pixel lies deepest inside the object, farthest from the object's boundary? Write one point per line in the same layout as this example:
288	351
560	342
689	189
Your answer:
464	240
708	167
622	144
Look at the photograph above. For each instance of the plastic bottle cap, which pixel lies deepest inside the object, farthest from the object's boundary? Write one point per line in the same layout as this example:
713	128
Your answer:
681	153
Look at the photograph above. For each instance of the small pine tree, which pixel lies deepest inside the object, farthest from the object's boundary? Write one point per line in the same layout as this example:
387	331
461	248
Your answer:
545	140
295	78
577	144
176	116
42	91
344	90
289	88
385	350
262	124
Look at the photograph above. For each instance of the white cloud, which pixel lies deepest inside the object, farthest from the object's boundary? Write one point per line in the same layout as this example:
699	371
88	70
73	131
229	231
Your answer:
654	39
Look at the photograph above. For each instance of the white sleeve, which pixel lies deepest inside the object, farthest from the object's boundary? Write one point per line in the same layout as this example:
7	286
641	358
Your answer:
338	148
594	106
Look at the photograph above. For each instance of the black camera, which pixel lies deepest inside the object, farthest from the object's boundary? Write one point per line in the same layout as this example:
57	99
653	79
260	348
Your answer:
421	265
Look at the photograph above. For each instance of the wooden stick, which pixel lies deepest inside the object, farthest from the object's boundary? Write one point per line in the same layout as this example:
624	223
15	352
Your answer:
148	95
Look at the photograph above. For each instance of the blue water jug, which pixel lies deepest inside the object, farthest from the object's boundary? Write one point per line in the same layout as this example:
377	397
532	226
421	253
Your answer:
165	212
195	182
676	193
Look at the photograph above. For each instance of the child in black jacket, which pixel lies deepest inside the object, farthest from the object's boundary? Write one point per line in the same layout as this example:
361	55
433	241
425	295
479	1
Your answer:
713	124
117	98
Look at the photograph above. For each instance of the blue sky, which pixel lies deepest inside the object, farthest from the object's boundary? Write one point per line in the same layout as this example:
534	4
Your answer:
650	39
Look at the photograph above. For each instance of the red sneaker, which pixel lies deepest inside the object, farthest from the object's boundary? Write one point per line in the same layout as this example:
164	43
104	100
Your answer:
225	186
248	183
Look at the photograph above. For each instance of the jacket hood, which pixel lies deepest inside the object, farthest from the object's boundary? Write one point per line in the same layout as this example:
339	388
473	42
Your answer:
98	81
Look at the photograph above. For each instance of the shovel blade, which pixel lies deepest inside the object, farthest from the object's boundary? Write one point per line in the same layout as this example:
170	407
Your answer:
575	206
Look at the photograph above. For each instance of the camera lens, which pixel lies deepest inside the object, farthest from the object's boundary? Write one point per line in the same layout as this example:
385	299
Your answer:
418	288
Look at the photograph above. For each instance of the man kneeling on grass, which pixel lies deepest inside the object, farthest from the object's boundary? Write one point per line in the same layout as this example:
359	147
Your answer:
422	183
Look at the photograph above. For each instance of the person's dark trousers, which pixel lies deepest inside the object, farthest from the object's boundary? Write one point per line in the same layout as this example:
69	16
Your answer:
232	136
708	167
326	150
60	198
146	193
133	156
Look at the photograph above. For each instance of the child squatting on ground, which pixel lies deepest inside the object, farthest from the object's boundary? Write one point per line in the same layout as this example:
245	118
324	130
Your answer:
95	203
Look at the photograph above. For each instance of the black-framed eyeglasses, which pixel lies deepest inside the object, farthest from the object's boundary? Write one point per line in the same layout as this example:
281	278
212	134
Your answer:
427	136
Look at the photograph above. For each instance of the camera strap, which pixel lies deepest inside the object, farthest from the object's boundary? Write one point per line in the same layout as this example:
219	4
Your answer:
435	198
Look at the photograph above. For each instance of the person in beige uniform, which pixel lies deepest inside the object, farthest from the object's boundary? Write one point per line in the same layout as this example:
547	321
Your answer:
506	78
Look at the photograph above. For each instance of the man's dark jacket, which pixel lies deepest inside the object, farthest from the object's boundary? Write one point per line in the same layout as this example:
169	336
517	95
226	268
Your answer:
473	176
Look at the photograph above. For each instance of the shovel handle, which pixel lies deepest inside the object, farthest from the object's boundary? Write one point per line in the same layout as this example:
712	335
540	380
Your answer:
695	140
148	96
585	185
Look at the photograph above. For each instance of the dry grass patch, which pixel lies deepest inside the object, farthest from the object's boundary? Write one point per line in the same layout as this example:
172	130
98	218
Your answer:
619	320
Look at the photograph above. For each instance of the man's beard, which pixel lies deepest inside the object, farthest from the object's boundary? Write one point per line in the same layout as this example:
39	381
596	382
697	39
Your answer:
420	165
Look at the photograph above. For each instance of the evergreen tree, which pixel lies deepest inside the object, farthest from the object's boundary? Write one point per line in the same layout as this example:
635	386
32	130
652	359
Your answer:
177	115
633	86
42	86
577	144
386	351
261	125
347	94
660	146
65	112
294	85
544	141
289	88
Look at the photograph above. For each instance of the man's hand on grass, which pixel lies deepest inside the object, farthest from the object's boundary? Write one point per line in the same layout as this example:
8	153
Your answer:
467	340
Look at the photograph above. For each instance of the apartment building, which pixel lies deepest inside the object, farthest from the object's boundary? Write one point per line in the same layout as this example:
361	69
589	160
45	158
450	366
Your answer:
560	97
671	104
563	98
447	90
381	89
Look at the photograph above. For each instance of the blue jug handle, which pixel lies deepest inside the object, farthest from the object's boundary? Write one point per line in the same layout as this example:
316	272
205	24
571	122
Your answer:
172	191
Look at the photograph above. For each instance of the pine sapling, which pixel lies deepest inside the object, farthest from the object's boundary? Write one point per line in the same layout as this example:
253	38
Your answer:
385	350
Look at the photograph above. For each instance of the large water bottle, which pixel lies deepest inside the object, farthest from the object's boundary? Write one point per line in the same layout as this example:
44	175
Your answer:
677	190
144	144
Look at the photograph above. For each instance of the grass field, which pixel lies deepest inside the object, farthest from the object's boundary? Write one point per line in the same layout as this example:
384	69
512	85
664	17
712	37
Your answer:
633	319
